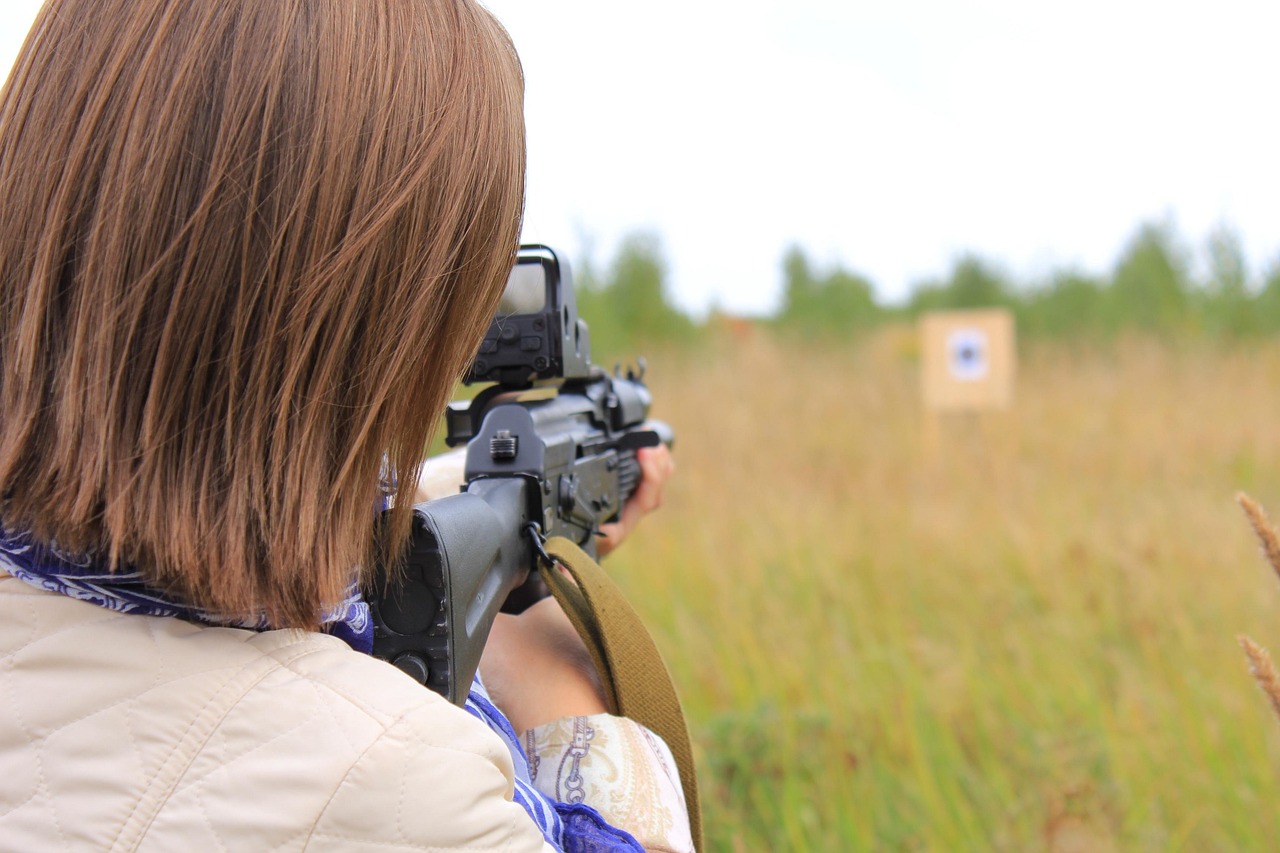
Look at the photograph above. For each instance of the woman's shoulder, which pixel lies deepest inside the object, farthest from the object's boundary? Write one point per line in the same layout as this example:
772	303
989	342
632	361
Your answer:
224	737
130	655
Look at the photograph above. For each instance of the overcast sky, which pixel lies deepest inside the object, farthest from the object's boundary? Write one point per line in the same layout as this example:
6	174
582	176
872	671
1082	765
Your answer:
888	137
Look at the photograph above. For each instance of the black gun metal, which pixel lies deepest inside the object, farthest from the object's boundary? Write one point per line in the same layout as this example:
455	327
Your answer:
551	449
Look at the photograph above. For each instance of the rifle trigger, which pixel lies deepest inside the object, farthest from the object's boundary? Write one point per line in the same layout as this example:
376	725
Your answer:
539	542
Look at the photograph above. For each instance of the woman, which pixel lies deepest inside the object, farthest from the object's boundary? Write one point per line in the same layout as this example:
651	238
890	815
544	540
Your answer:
246	247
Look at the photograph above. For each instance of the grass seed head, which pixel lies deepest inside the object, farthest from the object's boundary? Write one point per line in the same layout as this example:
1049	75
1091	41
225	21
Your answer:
1264	671
1263	528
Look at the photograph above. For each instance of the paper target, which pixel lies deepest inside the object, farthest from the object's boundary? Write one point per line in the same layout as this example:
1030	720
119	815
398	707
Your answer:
967	355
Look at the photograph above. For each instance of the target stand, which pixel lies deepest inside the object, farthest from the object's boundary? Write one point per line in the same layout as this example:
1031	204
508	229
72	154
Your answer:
968	362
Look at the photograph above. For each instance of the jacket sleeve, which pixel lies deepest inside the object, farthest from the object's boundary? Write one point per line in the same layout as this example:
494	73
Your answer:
432	781
620	768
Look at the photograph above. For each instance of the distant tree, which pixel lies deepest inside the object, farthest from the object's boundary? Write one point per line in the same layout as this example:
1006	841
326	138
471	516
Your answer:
586	277
799	290
1228	269
973	283
629	307
1151	286
927	295
591	294
976	284
1266	306
1228	309
1073	304
850	299
838	303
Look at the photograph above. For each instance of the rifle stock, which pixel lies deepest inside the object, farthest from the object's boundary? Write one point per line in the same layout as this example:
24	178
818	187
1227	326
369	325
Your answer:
466	555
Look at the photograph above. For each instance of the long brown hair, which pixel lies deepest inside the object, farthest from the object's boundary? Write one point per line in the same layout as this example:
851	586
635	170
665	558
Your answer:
246	248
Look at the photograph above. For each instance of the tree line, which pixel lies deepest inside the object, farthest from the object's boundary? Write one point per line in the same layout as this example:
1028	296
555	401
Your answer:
1152	287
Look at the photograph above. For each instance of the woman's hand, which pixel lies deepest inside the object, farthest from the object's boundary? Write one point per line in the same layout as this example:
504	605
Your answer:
656	467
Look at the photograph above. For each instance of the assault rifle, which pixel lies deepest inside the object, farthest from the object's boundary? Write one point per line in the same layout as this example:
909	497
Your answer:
551	451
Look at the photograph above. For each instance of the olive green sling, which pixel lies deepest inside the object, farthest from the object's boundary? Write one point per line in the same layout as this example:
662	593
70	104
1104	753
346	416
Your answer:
636	681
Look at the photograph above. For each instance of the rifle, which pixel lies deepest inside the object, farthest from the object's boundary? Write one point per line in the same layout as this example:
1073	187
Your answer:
551	451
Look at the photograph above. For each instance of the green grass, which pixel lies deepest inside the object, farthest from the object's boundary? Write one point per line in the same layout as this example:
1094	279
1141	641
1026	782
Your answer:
1020	637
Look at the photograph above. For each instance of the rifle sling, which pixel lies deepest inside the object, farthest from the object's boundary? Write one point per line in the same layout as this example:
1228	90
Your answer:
636	681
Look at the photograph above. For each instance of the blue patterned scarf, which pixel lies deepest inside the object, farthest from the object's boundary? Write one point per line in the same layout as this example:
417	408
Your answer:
84	578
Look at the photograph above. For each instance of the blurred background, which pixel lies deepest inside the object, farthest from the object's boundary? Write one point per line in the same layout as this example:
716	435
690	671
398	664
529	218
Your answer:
891	138
901	628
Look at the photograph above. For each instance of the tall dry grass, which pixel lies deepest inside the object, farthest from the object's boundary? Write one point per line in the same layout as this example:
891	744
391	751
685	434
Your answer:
1023	638
1260	663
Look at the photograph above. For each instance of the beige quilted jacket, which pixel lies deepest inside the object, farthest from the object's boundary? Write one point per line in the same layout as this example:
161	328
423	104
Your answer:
140	733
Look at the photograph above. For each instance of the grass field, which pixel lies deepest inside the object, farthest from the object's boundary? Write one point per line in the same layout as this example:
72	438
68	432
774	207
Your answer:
1020	637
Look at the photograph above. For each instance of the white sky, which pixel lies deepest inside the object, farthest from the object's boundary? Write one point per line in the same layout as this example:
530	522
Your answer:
887	136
